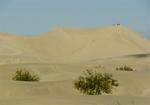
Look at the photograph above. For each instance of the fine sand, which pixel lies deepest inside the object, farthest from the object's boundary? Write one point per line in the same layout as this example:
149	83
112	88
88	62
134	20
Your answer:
60	56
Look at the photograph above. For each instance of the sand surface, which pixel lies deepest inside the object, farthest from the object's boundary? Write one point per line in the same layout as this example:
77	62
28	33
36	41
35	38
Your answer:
60	56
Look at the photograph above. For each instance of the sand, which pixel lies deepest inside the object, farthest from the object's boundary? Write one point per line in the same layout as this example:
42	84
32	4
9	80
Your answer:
61	55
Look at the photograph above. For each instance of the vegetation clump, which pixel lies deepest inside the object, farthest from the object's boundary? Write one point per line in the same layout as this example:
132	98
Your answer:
124	68
24	75
95	83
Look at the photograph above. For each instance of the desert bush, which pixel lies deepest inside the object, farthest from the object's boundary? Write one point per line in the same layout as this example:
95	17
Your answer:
95	83
24	75
124	68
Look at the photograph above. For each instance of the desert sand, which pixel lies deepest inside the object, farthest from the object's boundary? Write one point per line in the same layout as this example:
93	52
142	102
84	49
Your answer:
61	55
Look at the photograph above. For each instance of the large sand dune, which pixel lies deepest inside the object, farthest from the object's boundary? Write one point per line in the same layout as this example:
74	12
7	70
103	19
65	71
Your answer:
77	44
61	55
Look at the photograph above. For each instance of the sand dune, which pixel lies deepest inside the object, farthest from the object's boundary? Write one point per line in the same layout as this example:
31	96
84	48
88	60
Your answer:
77	44
91	44
61	55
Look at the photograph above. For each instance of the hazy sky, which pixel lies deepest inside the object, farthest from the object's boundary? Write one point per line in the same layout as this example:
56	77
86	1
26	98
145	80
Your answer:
30	17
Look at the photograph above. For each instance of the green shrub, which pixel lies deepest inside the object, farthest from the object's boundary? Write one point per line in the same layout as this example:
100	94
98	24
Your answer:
124	68
24	75
94	83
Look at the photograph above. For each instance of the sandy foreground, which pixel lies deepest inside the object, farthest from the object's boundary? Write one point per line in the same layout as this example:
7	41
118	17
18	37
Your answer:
62	55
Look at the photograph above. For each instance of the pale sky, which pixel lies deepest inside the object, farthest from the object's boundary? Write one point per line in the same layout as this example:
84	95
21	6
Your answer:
31	17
